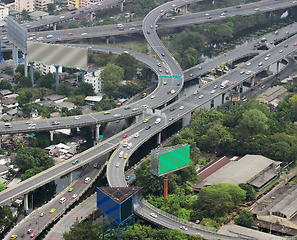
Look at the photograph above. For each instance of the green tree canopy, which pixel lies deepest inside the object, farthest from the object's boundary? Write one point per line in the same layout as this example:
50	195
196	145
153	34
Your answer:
245	218
128	63
111	75
2	187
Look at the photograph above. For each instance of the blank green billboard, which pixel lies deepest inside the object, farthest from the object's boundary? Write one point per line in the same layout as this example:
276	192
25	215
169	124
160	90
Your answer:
170	159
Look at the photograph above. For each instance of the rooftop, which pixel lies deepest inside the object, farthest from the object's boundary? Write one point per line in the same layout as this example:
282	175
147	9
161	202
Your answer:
272	93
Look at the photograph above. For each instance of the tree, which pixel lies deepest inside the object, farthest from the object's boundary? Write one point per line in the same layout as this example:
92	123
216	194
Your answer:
254	121
25	82
250	191
128	63
5	85
73	24
51	7
65	89
245	218
86	89
47	81
8	70
111	75
31	172
2	187
85	229
25	14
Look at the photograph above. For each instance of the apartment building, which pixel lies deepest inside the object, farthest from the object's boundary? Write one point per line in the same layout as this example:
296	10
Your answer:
28	5
74	3
3	13
44	68
41	4
94	79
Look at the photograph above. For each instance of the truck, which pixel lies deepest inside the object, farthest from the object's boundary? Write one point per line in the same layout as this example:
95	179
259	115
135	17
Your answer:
225	83
143	95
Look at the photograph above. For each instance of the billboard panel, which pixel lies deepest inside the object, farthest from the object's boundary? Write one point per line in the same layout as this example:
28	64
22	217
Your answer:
17	34
58	55
170	159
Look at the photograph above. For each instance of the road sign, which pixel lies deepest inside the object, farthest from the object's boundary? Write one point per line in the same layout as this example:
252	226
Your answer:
164	76
176	76
100	136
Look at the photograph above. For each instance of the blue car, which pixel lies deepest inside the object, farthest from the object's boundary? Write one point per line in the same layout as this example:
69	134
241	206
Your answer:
127	178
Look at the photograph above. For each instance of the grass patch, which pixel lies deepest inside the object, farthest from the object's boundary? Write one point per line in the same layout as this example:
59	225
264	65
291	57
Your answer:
136	46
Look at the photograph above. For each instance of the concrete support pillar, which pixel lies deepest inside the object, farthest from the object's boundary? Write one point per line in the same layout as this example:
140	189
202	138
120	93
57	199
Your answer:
26	205
31	73
55	27
136	119
97	132
52	136
82	75
241	88
277	66
0	135
107	40
70	177
159	139
57	76
122	6
252	81
292	54
223	98
126	122
185	9
26	65
127	163
14	57
149	48
212	103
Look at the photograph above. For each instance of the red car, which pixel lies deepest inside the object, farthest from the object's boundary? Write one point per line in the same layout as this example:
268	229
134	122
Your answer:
295	44
160	70
261	84
234	82
125	135
32	235
168	92
261	67
70	34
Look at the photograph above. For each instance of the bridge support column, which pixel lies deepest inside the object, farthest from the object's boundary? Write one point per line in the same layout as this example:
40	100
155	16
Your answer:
292	55
212	103
277	66
82	75
97	132
136	119
70	177
14	57
26	65
149	48
31	73
127	163
159	139
122	6
55	27
252	81
185	9
52	136
92	16
26	205
57	76
241	88
223	98
126	122
107	40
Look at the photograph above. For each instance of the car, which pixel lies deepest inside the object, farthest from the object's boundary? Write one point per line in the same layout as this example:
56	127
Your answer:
238	6
209	18
172	91
206	14
257	9
275	39
95	165
134	109
76	117
69	34
172	109
266	58
295	44
170	119
14	237
199	234
215	86
268	55
173	18
70	189
73	13
116	115
234	82
159	64
118	164
32	235
260	67
62	17
248	63
125	135
55	123
286	46
42	214
195	93
153	96
126	155
105	113
201	96
148	127
213	91
222	14
52	210
160	70
199	67
248	72
165	83
148	31
49	36
178	84
181	107
29	230
167	71
145	120
84	34
154	215
183	228
75	161
132	28
74	195
241	72
173	5
87	179
163	54
168	92
161	10
191	75
262	87
260	64
128	178
127	107
136	135
151	26
281	50
121	29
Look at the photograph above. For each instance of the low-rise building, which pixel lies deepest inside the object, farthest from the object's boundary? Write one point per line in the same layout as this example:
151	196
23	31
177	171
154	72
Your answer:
273	95
3	13
9	103
37	15
93	78
42	4
45	68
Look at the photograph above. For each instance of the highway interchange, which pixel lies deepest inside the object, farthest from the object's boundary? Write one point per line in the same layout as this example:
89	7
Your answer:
189	102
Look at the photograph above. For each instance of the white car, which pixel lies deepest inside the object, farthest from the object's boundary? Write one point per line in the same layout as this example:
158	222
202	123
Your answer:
213	91
201	96
266	58
62	16
248	72
76	117
153	96
74	195
215	86
195	93
134	109
181	107
281	50
248	64
144	106
184	228
153	215
173	5
116	115
206	14
162	10
172	91
241	72
136	135
118	164
84	34
268	55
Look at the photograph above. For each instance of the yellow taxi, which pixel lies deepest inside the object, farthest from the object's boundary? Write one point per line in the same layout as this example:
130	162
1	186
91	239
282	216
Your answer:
70	190
145	120
165	83
14	237
105	113
52	210
126	155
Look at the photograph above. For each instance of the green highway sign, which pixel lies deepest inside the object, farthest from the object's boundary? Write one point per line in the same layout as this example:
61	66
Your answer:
176	76
165	76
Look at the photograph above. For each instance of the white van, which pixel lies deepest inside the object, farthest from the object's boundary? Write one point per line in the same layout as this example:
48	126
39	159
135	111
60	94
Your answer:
8	125
121	154
158	120
129	146
62	200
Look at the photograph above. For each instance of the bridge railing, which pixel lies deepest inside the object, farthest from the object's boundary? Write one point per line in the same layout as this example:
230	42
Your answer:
176	219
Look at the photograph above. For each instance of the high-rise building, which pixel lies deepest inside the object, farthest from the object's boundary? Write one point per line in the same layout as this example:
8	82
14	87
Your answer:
3	13
28	5
42	4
